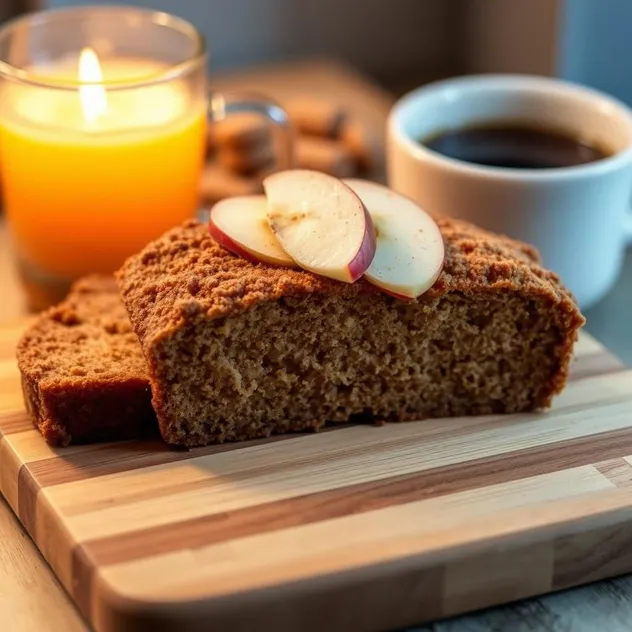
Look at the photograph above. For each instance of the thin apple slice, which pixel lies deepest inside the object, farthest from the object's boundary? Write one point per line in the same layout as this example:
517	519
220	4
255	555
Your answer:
240	224
410	251
321	223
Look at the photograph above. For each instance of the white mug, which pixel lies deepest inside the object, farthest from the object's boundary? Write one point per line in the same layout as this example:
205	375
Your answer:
578	216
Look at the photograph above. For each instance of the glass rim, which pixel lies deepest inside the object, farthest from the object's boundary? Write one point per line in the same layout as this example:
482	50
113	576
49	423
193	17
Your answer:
157	18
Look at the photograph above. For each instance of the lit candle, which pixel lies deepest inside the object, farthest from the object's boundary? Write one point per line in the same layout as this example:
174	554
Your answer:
92	174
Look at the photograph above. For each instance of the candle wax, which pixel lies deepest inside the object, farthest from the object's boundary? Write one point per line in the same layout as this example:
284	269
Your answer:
82	195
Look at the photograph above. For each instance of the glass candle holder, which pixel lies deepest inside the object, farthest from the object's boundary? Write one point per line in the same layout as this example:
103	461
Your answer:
103	114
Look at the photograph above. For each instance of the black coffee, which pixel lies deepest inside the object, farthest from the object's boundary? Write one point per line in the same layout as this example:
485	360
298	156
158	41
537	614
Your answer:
516	146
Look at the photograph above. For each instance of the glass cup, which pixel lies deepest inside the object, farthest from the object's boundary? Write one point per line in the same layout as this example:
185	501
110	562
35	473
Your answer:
103	115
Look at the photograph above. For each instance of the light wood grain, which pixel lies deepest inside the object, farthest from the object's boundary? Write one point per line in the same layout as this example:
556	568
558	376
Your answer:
206	485
428	529
30	597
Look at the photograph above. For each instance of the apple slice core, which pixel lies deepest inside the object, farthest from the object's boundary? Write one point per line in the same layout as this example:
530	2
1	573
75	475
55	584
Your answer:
240	225
410	251
321	223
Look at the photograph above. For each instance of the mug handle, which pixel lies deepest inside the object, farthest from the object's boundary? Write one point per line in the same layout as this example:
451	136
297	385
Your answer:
223	104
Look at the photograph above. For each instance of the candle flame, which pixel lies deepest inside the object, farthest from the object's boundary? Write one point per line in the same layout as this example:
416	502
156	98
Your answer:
93	98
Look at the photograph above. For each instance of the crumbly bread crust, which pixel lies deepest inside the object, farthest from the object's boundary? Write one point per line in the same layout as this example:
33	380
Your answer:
183	288
83	373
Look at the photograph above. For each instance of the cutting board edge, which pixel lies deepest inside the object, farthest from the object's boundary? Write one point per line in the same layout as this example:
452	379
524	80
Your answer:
390	587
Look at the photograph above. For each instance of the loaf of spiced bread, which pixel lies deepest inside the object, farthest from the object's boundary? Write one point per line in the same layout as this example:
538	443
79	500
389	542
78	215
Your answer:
237	350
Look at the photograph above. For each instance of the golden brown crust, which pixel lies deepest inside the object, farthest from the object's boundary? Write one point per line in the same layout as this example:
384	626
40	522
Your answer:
84	377
185	274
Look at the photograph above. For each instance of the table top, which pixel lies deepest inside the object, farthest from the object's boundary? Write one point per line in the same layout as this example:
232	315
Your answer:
32	600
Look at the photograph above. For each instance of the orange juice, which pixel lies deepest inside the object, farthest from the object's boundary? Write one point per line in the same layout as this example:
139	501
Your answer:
84	189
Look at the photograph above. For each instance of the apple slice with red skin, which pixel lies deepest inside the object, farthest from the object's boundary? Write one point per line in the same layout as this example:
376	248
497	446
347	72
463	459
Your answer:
321	223
410	250
240	224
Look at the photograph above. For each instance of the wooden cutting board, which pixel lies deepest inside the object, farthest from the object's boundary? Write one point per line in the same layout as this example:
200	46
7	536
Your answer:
355	528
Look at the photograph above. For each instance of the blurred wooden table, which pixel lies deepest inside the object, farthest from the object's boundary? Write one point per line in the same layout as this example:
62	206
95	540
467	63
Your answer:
31	599
12	303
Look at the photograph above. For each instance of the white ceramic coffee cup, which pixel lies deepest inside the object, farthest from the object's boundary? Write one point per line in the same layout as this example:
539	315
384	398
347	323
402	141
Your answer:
578	217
